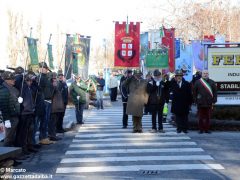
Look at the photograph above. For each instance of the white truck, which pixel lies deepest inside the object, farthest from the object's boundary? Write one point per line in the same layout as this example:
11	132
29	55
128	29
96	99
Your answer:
223	64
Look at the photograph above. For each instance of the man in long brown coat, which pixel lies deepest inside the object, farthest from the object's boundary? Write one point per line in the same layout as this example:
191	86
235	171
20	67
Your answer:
205	95
137	98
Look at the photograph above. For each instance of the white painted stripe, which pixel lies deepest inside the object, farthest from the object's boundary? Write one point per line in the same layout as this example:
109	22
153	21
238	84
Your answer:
93	126
133	139
124	134
113	130
137	158
133	144
120	130
138	168
123	151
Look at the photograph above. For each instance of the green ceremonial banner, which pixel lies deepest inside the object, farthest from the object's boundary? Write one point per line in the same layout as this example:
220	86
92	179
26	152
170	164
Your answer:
75	63
68	56
32	48
157	58
50	56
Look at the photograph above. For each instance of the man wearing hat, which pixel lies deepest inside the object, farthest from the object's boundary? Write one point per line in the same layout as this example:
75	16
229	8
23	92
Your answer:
158	96
9	106
63	88
46	90
137	98
78	92
181	101
124	92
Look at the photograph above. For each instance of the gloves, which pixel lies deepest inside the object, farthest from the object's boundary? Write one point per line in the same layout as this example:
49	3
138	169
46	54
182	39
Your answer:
78	97
20	100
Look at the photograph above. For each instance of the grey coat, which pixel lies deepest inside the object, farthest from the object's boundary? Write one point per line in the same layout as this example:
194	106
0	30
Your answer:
137	96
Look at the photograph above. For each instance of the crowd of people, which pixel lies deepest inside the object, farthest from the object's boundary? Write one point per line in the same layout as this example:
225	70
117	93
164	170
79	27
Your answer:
37	102
155	91
32	103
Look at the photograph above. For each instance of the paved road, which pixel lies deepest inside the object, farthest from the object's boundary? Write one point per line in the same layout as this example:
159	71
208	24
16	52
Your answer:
100	149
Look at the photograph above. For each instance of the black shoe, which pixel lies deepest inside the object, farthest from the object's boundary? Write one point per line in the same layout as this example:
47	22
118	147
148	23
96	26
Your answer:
200	132
37	146
26	152
185	131
32	149
208	132
134	131
16	163
179	131
124	127
60	131
140	131
54	138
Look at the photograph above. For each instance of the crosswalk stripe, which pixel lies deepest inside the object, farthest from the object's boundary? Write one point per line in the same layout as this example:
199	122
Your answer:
133	144
124	134
94	126
137	158
136	138
118	130
123	151
138	168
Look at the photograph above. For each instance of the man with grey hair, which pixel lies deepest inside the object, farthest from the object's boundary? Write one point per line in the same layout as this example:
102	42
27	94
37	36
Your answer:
205	95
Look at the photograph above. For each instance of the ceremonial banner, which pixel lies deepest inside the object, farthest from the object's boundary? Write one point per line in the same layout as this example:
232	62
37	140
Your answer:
32	48
198	54
80	53
177	48
144	45
126	52
157	58
50	56
185	62
68	56
169	41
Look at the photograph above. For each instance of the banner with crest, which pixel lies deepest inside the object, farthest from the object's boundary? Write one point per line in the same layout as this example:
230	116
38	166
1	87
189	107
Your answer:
127	44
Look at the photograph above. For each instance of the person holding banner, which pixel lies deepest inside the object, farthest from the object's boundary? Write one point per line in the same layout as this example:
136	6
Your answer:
205	95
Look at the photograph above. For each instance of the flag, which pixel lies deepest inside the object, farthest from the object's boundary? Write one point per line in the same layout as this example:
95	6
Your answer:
169	41
177	48
126	53
68	56
198	54
157	58
185	62
32	48
80	55
143	45
50	56
161	32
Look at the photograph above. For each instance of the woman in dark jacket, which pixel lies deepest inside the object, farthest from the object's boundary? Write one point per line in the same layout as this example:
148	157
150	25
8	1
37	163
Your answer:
181	101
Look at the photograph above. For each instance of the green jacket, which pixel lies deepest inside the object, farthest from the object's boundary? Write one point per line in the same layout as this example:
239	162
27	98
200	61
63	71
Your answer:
9	104
78	90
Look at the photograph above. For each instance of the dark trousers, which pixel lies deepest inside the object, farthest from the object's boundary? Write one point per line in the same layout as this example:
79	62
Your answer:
113	94
59	123
45	122
157	112
23	128
79	113
182	122
52	125
204	115
137	123
10	133
125	116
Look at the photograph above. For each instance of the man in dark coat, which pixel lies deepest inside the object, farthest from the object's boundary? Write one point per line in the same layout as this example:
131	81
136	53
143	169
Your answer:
181	101
124	92
158	96
63	88
205	95
100	87
9	106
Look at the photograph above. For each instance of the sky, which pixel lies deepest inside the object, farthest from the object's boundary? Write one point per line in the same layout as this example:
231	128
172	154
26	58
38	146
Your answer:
94	18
